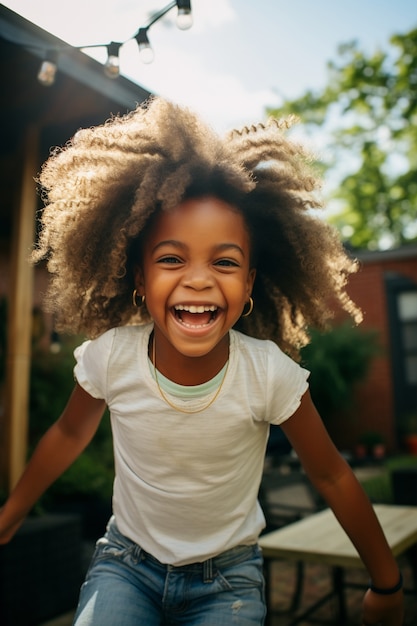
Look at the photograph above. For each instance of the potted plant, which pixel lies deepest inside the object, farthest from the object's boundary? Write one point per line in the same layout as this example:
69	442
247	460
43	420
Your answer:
374	443
361	451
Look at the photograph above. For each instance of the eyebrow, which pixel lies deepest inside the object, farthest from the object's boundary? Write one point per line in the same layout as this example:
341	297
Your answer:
178	244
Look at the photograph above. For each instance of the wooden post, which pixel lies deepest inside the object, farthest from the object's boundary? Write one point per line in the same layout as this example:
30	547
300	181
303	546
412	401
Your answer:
19	327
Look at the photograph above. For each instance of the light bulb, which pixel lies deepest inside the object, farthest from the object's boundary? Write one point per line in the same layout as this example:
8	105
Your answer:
46	75
146	54
112	65
184	19
184	15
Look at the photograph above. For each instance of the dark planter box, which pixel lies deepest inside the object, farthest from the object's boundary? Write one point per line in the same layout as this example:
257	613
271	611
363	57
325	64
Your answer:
40	570
404	484
93	512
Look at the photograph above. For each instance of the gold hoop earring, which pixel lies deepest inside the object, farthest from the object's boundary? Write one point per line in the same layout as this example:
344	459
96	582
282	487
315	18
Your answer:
249	311
134	299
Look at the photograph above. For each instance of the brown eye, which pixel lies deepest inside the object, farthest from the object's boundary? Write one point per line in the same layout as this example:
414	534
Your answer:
227	263
169	259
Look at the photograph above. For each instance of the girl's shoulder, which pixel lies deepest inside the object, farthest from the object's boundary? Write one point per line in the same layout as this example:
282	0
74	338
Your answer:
240	341
115	339
262	352
123	333
276	382
121	349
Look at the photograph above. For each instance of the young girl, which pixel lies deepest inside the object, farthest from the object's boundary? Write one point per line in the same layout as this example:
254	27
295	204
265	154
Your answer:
196	266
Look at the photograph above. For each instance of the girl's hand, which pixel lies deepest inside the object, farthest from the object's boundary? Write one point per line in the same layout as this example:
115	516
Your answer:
383	610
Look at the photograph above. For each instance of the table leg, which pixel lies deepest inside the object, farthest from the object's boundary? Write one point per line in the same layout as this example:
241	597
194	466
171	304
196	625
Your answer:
298	587
412	557
338	576
338	591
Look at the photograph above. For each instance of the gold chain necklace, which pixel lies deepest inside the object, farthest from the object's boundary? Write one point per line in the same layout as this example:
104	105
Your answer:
171	404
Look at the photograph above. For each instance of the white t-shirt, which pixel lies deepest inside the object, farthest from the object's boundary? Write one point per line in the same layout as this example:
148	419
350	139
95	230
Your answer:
186	485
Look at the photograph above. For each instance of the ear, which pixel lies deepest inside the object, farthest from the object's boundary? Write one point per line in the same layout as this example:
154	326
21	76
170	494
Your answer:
139	280
250	281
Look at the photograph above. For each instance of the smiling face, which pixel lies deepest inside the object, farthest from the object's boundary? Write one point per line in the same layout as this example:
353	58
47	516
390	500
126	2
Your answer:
196	277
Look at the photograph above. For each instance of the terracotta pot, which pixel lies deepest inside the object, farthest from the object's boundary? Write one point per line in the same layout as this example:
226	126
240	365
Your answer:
360	451
411	444
378	451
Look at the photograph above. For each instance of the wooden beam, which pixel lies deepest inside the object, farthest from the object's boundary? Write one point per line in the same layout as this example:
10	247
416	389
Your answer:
19	327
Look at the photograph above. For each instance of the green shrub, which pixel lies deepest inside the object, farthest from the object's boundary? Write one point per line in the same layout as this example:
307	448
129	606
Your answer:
338	360
51	383
379	488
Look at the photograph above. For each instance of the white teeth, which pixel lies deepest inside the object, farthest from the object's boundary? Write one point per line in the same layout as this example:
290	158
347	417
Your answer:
194	308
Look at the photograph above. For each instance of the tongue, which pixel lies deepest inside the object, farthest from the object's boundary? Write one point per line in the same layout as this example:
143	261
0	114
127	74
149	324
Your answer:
195	318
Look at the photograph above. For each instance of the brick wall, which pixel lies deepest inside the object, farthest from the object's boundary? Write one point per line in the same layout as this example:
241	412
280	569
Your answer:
375	398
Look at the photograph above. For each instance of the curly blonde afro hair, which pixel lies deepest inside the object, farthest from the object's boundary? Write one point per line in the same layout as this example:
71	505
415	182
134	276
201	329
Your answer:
102	189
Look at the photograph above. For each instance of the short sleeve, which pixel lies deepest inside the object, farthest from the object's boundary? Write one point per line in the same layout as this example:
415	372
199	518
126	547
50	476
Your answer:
92	359
287	383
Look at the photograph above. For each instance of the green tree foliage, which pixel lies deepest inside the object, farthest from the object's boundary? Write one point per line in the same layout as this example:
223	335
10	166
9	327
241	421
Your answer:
369	109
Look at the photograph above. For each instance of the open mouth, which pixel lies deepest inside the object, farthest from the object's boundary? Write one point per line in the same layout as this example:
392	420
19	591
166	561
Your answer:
195	316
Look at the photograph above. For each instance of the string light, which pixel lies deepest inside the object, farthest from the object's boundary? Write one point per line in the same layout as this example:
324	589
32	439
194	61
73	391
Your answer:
146	54
184	17
112	65
48	69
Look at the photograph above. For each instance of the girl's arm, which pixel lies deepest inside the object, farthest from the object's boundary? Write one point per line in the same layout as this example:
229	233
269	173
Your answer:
59	447
336	482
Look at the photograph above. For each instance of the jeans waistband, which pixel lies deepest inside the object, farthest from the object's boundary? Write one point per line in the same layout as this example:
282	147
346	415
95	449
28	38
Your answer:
230	557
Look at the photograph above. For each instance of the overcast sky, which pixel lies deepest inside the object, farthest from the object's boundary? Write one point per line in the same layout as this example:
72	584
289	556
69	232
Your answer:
240	55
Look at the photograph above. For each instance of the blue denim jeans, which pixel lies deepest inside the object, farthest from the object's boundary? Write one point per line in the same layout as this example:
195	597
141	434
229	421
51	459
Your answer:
125	586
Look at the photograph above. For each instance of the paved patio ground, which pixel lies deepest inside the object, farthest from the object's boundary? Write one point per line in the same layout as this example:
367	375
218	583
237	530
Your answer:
317	583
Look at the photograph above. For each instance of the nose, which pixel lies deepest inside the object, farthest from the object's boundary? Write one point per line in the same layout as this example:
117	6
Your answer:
198	277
